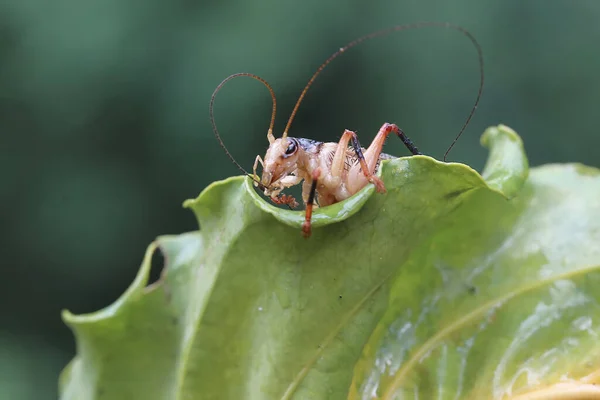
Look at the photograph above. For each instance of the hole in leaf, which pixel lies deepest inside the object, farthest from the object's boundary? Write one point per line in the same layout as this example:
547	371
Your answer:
295	191
157	265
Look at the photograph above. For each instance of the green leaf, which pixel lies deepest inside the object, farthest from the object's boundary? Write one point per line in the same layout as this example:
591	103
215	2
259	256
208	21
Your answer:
448	286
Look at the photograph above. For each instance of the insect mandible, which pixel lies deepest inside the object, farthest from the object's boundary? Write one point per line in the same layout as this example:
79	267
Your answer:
330	172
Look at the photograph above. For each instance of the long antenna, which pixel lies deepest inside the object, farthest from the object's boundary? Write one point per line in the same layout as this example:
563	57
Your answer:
387	31
214	125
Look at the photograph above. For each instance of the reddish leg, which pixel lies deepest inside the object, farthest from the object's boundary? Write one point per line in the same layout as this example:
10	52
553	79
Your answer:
369	160
306	229
367	172
374	150
285	199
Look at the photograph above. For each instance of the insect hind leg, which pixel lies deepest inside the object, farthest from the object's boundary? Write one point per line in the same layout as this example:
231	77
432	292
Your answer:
374	150
406	140
367	171
369	160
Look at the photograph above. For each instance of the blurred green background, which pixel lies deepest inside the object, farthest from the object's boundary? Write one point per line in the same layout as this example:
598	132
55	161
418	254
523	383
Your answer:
105	131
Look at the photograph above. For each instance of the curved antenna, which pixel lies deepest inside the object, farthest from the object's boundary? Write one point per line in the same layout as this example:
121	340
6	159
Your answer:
214	125
387	31
479	90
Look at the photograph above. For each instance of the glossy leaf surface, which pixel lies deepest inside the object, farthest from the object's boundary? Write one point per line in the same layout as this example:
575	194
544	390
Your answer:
448	286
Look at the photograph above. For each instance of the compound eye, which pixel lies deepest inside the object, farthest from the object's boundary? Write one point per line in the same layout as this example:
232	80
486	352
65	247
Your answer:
292	147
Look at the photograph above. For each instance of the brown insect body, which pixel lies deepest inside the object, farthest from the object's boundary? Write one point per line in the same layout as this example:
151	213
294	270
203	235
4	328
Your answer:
335	183
332	172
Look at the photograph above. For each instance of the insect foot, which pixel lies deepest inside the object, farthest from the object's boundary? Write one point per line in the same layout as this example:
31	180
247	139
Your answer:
286	200
379	186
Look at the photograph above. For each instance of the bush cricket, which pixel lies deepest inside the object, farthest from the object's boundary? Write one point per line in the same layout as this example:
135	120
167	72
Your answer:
329	172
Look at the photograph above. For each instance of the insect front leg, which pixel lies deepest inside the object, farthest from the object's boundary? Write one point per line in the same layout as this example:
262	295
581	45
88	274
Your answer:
286	200
255	175
306	226
290	180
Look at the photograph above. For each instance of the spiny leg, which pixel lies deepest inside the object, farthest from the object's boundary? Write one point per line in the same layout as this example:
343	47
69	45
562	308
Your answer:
277	198
286	199
366	170
374	150
369	160
339	160
306	228
339	157
405	139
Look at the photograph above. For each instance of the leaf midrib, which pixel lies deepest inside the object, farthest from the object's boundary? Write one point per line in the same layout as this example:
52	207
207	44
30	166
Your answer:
334	332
